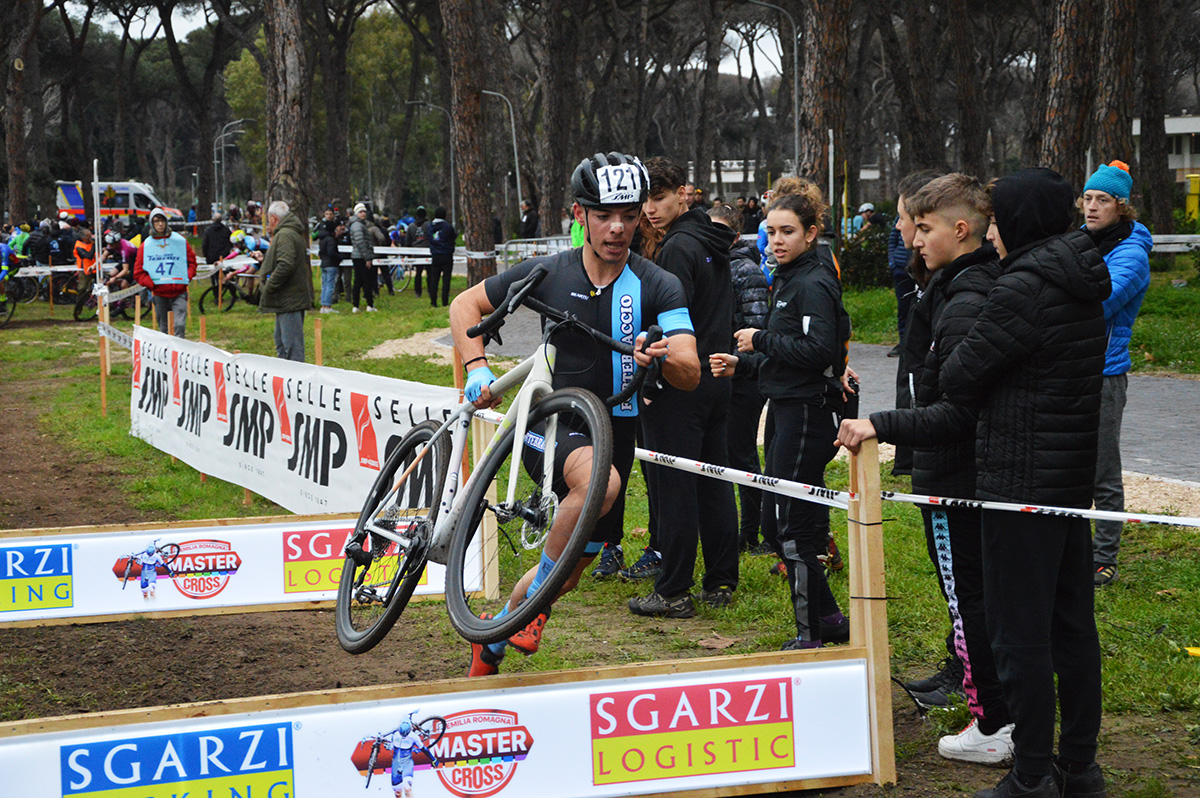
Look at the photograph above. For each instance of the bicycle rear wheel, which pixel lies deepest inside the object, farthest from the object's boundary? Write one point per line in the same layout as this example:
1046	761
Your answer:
379	574
433	728
208	300
86	307
8	301
127	307
522	529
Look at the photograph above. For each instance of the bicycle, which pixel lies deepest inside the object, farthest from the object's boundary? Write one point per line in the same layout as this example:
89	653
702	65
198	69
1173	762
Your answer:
87	306
168	551
236	286
431	731
401	276
416	511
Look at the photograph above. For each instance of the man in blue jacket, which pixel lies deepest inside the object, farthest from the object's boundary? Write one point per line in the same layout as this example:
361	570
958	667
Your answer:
441	249
1125	245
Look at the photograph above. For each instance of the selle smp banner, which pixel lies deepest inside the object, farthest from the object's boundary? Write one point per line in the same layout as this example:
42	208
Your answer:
715	730
310	438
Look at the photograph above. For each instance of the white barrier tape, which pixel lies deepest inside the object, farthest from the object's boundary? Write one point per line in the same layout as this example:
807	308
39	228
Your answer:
480	255
841	499
1034	509
115	296
116	336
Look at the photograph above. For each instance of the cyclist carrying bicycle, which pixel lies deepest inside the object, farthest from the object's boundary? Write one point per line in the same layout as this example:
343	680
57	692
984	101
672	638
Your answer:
149	560
616	292
406	742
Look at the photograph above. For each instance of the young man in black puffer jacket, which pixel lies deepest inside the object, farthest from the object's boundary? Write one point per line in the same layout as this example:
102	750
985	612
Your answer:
1033	360
951	217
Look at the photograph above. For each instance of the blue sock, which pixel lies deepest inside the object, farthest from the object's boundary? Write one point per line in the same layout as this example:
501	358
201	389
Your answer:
543	571
498	648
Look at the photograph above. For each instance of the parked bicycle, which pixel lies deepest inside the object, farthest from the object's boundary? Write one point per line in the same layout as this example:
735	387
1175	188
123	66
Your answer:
416	511
383	746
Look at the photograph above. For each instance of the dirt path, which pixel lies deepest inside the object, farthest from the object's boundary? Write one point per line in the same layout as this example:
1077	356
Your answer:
86	668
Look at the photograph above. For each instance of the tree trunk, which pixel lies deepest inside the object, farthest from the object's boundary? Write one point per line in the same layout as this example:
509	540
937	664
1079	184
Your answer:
822	102
707	135
1115	84
1156	181
22	28
917	129
397	180
1070	90
289	136
559	101
464	39
972	132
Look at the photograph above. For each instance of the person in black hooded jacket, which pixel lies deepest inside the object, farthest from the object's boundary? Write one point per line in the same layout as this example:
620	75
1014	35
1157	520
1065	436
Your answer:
1033	361
951	217
751	302
691	424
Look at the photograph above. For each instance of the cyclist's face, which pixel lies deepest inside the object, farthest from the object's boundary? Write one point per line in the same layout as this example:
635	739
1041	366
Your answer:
610	230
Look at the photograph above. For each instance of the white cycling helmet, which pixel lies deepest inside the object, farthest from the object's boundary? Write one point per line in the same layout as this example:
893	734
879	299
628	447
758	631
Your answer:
865	207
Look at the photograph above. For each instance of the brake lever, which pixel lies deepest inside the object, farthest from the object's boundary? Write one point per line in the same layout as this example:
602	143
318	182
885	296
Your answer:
493	336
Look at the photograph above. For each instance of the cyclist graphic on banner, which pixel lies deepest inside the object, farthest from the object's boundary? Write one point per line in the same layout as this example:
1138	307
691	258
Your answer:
403	742
150	560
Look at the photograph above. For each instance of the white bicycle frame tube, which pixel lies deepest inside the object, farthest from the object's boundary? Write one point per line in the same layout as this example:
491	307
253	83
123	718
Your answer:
535	374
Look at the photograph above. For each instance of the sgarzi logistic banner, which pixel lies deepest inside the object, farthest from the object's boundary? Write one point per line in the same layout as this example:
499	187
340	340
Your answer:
310	438
180	567
656	733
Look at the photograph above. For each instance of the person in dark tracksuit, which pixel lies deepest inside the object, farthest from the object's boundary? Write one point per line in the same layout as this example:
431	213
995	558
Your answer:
441	249
751	301
1033	360
799	359
689	508
951	217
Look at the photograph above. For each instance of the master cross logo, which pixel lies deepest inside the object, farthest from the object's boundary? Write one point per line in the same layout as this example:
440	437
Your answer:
696	730
244	760
204	567
481	751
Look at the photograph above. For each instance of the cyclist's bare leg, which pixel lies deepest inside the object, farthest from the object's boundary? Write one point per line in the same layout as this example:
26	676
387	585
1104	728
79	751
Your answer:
577	472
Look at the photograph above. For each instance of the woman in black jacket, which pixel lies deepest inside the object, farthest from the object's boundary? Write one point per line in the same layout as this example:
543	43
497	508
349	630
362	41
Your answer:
799	359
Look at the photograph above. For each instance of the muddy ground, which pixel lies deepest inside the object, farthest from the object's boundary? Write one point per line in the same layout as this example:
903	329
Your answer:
87	668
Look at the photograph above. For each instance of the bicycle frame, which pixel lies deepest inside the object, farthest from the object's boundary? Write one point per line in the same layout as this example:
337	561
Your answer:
535	374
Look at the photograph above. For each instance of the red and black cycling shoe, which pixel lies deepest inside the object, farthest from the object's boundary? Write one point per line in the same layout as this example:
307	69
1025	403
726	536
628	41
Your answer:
483	661
527	640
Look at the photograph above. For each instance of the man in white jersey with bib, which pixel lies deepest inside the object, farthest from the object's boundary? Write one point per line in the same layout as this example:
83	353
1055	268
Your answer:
166	264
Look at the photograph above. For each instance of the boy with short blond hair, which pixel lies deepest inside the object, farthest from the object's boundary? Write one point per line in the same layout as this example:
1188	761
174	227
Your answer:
951	216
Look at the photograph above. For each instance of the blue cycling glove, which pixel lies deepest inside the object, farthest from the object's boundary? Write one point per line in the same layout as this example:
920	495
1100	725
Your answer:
477	379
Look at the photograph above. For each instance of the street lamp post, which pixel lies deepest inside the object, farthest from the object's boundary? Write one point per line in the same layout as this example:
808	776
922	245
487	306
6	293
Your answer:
219	146
512	121
795	76
450	122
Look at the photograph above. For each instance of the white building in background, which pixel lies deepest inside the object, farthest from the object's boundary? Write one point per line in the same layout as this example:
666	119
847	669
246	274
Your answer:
1183	144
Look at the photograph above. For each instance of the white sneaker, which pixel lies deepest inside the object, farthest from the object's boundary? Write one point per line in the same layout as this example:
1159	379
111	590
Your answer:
972	745
354	310
329	310
371	308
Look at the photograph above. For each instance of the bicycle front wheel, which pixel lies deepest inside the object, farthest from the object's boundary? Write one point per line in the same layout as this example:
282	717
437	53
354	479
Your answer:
380	574
401	277
86	307
8	303
522	528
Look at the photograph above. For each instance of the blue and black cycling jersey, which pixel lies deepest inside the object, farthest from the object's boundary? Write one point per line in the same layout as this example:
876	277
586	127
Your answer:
642	295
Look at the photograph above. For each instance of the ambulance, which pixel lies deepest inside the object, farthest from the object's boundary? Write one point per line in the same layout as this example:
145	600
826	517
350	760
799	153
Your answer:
125	200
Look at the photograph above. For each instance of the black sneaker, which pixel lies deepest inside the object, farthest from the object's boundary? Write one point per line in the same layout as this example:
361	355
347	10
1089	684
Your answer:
1105	575
1088	784
656	606
648	566
937	698
894	351
947	678
835	632
1011	787
612	560
720	596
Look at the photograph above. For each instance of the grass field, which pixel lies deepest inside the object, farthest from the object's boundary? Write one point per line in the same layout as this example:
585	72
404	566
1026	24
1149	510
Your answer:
1144	618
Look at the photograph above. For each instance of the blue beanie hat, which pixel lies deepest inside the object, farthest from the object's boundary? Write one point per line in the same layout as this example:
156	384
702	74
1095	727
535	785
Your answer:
1113	179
